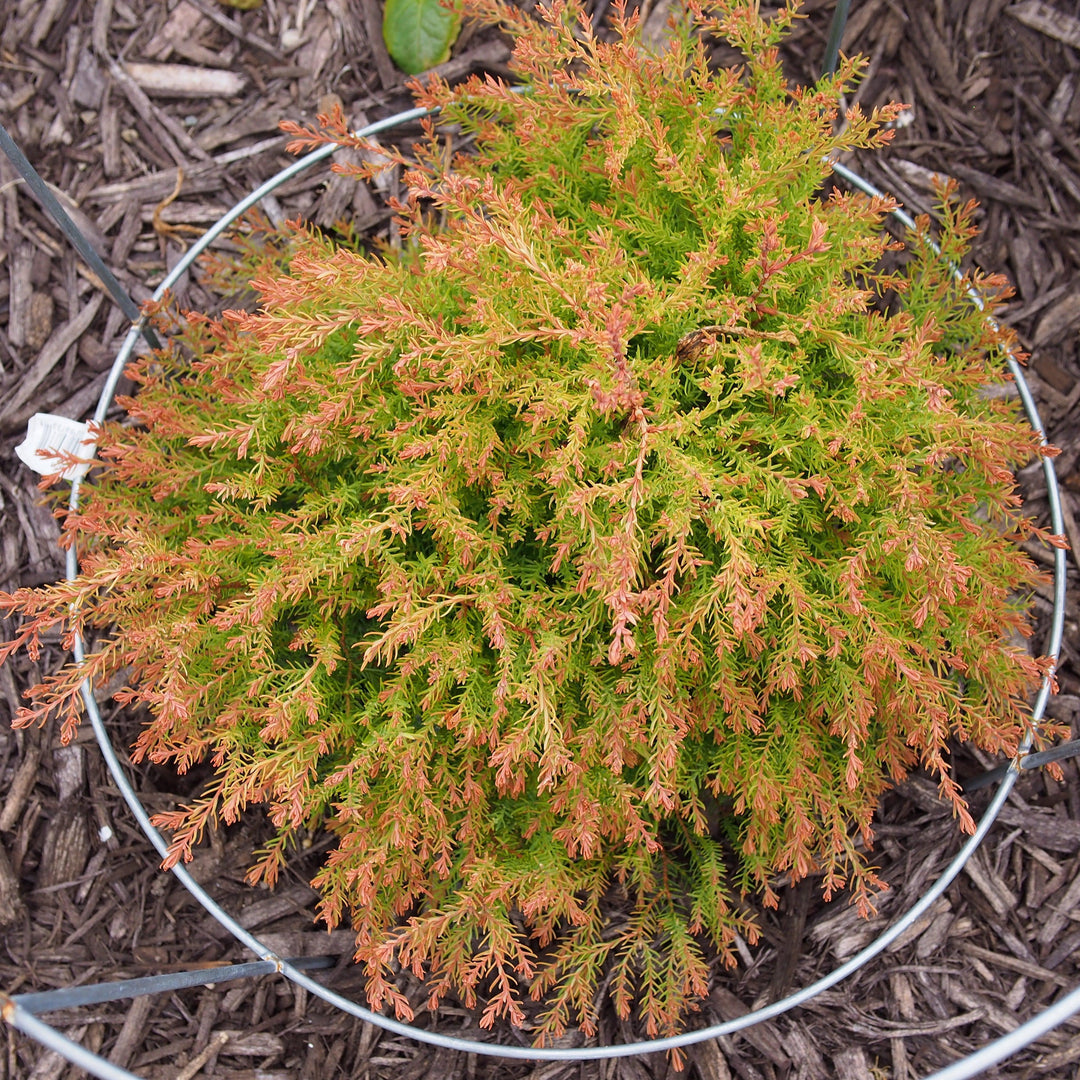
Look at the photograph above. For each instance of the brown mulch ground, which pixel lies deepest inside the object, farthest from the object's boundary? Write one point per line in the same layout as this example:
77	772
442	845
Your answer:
993	85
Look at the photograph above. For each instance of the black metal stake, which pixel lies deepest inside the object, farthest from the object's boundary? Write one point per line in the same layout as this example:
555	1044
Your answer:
52	205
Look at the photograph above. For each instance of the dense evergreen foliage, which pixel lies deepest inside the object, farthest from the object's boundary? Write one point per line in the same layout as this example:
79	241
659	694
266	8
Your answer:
603	555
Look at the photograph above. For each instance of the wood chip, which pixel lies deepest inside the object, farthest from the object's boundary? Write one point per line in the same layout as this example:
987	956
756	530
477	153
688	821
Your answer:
310	943
924	795
11	905
737	1061
21	290
1047	20
1053	116
51	1065
937	934
171	134
1014	963
709	1061
1060	908
991	187
53	351
128	233
256	122
132	1033
260	1044
852	1064
100	27
88	84
110	138
342	191
297	897
182	24
922	924
389	75
1053	373
1050	1064
902	997
1062	951
1058	321
1039	300
881	1028
858	21
181	212
940	55
184	80
82	221
1041	857
967	999
39	319
212	1048
1001	898
202	177
1069	510
233	26
69	771
155	186
796	906
927	180
66	849
1044	828
47	14
553	1070
17	99
760	1036
804	1054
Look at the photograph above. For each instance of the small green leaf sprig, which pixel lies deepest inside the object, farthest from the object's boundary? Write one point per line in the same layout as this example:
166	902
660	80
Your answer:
419	33
597	559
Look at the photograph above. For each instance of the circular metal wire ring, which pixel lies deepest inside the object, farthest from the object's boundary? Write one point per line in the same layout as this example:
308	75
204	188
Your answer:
650	1046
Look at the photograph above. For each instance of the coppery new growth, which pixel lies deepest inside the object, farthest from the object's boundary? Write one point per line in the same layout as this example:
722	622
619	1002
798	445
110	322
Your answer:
603	556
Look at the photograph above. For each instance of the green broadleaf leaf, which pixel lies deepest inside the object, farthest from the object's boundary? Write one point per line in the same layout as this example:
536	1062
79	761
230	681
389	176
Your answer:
419	33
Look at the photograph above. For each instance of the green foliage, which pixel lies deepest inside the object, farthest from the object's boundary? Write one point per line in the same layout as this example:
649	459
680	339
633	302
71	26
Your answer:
603	555
419	33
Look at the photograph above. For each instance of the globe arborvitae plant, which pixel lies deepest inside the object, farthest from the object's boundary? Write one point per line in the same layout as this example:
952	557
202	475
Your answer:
602	556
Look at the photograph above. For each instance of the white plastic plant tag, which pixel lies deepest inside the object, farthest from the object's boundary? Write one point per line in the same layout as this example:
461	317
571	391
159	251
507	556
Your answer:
48	436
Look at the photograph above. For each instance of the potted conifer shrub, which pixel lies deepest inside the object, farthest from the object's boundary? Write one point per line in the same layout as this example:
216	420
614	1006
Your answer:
599	557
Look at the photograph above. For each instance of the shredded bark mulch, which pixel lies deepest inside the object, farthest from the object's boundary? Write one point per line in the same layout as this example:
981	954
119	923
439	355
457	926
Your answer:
150	119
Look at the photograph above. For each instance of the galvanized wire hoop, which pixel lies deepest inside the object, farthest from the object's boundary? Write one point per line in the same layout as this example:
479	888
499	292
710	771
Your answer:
20	1010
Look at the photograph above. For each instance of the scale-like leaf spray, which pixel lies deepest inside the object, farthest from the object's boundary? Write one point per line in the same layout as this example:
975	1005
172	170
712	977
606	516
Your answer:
603	555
